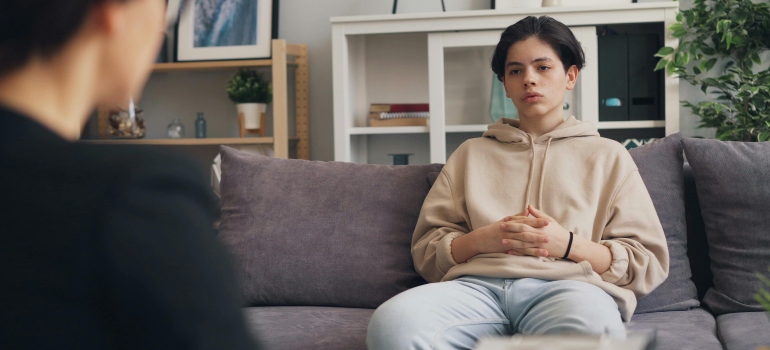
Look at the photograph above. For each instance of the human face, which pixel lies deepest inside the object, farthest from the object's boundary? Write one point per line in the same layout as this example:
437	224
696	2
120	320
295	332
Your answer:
134	35
535	79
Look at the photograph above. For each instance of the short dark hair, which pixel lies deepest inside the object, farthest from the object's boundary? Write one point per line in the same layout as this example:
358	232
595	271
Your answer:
545	28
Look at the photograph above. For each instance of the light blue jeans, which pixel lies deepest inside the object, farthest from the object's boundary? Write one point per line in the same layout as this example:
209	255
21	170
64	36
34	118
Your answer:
456	314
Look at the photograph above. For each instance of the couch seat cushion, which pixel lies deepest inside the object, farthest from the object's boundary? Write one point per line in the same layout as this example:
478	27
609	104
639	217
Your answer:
660	165
310	233
731	179
744	330
681	330
309	327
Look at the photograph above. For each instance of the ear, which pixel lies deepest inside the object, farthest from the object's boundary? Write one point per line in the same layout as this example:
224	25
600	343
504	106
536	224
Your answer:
572	75
106	16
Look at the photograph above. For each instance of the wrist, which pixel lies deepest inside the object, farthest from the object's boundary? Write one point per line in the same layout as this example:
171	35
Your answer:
463	248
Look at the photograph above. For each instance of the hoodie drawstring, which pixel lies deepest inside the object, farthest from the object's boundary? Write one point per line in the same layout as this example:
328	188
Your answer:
542	175
532	172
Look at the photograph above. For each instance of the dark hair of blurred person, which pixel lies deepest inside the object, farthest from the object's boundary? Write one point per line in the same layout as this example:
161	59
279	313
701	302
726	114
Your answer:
100	246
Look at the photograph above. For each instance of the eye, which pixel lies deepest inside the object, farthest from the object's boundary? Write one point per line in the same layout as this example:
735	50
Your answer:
544	68
514	71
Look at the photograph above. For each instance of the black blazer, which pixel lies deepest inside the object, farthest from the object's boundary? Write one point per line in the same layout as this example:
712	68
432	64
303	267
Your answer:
108	247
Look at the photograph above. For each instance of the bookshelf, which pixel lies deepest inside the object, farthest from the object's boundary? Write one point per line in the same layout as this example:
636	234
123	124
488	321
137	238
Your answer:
283	56
443	59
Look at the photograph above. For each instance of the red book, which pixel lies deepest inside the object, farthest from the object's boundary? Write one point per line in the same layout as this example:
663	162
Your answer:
399	107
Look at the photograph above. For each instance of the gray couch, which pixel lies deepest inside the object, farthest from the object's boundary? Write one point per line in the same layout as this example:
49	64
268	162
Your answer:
319	245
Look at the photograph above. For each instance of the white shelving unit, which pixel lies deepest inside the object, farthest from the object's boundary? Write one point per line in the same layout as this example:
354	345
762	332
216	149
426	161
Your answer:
414	58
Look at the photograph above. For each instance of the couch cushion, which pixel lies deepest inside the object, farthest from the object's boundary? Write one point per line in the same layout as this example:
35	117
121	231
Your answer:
320	233
660	165
733	189
697	245
744	330
680	330
308	327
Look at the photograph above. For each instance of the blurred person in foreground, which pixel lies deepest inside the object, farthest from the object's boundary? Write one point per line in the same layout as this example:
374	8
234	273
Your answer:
100	246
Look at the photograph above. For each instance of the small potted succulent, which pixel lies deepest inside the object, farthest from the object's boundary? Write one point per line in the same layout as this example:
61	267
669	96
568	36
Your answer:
251	93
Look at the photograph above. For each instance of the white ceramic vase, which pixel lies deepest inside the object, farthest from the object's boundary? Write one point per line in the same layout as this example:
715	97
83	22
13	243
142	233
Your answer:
252	114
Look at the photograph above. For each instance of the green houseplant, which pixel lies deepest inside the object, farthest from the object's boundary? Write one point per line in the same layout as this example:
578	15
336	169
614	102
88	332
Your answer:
251	93
735	32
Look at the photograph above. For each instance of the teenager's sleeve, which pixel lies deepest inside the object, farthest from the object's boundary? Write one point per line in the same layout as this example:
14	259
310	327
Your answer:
438	225
635	238
168	281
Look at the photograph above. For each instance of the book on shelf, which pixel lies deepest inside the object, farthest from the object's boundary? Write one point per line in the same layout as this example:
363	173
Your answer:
399	114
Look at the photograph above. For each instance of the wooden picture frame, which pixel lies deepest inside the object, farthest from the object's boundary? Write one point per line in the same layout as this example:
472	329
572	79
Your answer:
213	30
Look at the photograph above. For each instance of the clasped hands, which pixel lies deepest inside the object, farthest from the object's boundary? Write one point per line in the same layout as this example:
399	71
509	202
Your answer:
520	234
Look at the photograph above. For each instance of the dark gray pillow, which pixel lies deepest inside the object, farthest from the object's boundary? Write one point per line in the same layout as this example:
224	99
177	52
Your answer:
733	184
321	233
660	165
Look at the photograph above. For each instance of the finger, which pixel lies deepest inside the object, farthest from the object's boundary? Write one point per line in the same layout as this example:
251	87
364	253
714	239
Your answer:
529	237
538	214
532	251
533	222
516	244
515	227
513	252
512	218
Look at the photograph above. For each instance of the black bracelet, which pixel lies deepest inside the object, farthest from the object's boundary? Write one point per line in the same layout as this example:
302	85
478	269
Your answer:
569	246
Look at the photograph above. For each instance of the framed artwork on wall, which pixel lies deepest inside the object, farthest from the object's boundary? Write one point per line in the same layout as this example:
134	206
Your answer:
224	30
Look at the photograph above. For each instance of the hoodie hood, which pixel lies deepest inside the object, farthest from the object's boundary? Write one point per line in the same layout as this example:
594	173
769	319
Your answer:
507	130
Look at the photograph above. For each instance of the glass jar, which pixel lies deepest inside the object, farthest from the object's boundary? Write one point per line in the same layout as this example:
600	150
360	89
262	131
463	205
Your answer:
175	130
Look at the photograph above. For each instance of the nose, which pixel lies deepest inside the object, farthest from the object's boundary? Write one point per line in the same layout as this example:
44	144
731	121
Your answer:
529	79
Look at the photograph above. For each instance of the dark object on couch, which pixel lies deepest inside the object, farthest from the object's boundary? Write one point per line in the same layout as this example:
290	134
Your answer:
320	245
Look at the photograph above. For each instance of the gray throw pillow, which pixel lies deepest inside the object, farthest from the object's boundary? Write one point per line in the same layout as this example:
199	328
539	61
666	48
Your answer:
660	165
310	233
733	184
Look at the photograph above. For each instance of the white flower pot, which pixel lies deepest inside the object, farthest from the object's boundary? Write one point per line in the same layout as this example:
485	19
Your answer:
252	113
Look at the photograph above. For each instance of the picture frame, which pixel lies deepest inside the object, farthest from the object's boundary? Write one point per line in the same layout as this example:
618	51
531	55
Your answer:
225	30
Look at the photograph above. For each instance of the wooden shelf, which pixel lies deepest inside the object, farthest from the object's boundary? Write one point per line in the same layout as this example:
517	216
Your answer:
283	55
208	65
189	141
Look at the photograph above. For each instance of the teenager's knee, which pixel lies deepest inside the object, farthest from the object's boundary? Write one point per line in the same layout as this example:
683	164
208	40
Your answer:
579	308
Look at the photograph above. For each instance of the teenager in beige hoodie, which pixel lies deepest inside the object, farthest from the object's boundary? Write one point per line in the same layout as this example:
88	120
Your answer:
540	226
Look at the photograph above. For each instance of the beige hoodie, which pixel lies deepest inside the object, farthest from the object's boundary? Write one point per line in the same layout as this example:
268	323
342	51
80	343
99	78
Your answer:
588	184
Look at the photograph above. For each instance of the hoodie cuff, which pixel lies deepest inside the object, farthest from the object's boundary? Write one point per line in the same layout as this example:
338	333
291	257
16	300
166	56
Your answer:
444	258
619	265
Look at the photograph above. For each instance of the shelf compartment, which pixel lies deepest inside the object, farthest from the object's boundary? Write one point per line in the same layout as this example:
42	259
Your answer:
635	124
188	141
379	130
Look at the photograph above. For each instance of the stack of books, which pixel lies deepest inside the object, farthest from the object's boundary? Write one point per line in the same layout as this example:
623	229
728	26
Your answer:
400	114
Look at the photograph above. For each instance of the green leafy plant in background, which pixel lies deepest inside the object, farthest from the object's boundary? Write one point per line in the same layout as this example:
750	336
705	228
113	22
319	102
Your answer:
736	32
763	296
249	86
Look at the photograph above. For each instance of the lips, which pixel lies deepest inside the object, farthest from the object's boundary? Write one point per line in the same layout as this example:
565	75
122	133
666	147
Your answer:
531	97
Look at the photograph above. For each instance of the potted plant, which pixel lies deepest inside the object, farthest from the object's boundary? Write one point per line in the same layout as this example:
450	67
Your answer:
732	32
251	93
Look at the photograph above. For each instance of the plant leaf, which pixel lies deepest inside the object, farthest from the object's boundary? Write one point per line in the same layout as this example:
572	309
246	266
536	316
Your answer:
661	64
664	51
